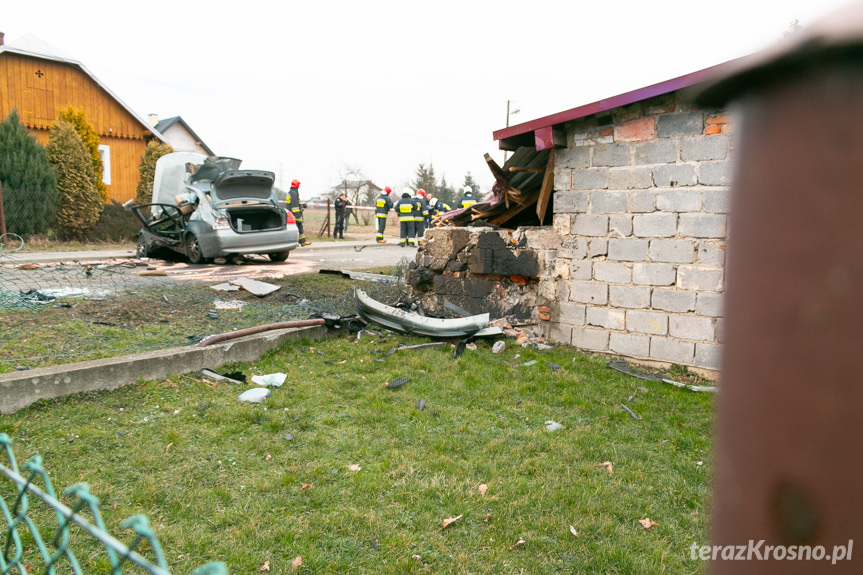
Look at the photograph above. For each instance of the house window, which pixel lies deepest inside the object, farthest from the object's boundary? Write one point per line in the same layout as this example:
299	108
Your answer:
105	154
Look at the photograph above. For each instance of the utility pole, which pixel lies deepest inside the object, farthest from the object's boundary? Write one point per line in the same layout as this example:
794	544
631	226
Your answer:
508	114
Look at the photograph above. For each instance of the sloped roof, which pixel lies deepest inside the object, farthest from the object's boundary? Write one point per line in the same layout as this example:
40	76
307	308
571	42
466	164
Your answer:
163	125
540	132
30	45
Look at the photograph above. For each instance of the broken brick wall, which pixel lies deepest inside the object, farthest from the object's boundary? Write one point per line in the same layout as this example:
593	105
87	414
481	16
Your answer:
484	270
634	263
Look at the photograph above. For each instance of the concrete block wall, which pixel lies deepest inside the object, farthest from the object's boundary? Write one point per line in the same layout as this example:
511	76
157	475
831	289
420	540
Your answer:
641	207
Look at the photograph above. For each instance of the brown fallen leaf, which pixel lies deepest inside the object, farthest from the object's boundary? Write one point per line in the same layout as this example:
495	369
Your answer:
608	465
483	488
167	447
573	531
344	361
265	566
487	517
295	564
518	543
305	486
450	520
268	457
647	523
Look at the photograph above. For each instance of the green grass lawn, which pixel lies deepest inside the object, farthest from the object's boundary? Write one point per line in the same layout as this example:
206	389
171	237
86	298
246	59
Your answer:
220	480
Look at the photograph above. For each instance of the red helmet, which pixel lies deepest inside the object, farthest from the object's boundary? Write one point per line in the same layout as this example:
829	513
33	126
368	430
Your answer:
295	184
388	190
421	192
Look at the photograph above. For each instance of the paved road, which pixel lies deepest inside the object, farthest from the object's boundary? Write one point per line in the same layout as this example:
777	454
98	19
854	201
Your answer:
339	255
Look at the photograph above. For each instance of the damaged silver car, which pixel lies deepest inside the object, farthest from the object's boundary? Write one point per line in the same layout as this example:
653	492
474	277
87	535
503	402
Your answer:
208	208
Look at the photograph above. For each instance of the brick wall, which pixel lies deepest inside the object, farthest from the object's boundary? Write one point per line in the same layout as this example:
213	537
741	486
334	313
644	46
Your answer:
640	208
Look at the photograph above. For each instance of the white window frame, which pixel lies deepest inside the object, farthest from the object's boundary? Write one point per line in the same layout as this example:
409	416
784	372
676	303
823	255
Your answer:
105	154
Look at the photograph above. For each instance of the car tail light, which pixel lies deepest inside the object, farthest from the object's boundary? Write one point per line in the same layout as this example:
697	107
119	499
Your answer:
222	223
289	217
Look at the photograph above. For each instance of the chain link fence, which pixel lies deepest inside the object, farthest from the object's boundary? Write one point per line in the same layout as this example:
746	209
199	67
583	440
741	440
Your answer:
38	540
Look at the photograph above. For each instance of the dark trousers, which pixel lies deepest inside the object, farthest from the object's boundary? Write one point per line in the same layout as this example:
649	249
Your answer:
381	226
299	220
341	224
407	233
420	228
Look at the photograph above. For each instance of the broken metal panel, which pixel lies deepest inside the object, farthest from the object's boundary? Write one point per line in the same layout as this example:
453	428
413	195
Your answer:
410	323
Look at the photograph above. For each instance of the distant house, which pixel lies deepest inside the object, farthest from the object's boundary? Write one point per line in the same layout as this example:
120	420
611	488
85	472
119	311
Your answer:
179	135
38	80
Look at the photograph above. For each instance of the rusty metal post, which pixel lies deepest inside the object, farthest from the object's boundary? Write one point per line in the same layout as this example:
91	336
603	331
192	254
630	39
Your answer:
788	469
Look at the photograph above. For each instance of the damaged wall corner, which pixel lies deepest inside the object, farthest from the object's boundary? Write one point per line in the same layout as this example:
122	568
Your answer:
484	270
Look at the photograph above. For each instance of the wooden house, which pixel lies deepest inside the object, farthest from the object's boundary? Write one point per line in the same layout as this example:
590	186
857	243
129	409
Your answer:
38	81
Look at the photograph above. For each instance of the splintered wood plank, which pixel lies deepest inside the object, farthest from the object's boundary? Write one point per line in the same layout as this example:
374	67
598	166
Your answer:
501	219
546	189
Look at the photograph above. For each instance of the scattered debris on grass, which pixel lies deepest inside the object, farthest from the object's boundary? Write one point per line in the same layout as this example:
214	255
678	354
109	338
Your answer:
450	520
265	566
354	467
498	347
518	543
573	531
483	489
421	404
397	382
630	412
270	379
624	367
608	465
205	374
255	395
255	287
553	425
297	562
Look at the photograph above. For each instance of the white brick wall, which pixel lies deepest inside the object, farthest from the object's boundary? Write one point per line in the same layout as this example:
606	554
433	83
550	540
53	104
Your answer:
643	228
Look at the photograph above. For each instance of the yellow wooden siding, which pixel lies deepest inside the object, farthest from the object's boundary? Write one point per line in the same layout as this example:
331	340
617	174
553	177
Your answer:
40	88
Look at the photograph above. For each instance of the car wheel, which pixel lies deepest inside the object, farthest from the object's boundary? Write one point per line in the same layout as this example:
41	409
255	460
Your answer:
193	249
143	249
278	256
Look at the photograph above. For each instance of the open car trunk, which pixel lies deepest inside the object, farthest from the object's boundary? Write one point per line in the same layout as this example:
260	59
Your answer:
254	218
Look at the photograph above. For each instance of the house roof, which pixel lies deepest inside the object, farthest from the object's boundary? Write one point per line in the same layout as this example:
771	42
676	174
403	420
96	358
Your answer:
543	132
163	125
29	45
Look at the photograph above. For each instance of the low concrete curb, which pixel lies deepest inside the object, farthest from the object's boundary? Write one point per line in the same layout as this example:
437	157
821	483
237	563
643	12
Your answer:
20	389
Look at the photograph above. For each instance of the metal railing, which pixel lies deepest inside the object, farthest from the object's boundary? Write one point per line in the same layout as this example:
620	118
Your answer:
21	534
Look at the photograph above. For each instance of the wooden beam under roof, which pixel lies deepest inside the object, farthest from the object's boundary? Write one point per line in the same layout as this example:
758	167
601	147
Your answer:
546	190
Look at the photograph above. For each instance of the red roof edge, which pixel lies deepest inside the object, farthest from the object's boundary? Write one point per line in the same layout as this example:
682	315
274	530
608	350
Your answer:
616	101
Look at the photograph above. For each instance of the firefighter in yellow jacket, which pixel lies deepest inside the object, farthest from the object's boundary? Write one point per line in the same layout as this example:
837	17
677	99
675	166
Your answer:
405	209
383	205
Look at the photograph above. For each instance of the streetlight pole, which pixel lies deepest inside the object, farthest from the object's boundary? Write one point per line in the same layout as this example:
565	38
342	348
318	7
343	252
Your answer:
508	114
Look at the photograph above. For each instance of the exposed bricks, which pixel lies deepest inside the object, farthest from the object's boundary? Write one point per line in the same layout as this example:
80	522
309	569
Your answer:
636	130
718	125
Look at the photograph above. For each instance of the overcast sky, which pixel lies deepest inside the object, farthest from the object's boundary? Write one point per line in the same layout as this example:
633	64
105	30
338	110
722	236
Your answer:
306	88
